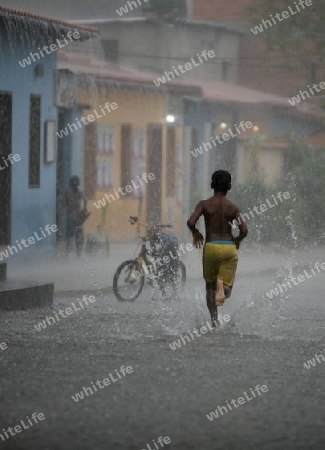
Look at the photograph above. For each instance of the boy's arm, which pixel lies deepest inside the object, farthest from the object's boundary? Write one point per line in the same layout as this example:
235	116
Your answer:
243	230
197	236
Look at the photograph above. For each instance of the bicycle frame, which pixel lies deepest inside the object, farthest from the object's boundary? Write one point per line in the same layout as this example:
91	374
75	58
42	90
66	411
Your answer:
142	258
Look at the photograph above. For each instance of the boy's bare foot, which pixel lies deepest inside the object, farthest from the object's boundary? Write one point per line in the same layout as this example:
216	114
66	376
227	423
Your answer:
220	294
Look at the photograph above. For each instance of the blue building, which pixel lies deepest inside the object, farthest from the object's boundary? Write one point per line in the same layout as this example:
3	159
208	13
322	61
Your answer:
260	149
28	122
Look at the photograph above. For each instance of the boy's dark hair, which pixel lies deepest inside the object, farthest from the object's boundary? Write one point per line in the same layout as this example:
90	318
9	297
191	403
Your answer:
221	181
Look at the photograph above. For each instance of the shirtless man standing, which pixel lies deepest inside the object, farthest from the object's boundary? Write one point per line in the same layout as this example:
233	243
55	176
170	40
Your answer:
220	254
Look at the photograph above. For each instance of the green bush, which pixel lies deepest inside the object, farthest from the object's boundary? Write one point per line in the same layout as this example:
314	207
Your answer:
298	219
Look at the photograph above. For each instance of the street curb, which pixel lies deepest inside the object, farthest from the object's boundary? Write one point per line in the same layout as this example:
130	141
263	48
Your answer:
74	293
16	296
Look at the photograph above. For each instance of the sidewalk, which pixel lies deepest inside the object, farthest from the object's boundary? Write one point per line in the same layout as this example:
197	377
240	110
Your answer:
91	272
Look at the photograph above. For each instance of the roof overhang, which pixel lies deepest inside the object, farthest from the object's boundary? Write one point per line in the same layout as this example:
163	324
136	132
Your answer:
17	22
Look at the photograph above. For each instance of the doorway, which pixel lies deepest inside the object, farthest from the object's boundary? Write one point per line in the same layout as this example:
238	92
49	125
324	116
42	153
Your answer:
5	172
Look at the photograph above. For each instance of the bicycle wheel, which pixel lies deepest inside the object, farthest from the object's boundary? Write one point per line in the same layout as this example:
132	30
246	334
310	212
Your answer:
128	281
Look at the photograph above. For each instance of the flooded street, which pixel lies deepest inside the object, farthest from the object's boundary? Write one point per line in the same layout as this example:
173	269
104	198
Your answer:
170	392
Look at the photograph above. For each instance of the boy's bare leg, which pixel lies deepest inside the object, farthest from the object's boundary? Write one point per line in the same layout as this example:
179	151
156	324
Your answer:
211	304
220	296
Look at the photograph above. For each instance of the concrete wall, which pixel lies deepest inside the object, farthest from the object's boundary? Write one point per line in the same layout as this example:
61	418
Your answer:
30	208
170	45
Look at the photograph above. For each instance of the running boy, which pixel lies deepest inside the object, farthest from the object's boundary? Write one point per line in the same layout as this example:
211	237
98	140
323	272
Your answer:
220	250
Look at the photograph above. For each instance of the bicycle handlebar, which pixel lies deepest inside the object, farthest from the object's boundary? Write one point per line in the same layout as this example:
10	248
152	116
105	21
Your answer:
134	220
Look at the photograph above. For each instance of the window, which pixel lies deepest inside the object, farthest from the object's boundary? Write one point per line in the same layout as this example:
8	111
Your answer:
225	71
126	132
172	8
138	159
170	181
90	160
110	48
34	141
5	175
106	139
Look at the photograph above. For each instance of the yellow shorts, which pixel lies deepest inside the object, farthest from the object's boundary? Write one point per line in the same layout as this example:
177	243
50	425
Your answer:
220	260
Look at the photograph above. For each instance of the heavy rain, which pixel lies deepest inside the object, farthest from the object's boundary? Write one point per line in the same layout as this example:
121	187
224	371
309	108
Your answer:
162	242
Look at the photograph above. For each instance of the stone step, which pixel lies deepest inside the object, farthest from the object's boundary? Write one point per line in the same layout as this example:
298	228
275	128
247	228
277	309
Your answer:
16	295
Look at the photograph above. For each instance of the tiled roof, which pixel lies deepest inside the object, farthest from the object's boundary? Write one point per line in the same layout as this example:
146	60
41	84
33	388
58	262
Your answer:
71	10
4	11
210	90
106	70
229	92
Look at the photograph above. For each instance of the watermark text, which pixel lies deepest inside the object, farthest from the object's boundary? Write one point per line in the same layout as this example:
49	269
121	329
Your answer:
50	320
122	372
206	146
71	35
284	287
206	55
280	17
240	400
71	127
128	189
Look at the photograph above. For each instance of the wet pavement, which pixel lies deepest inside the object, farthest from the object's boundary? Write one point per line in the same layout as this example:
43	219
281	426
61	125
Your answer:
93	272
170	392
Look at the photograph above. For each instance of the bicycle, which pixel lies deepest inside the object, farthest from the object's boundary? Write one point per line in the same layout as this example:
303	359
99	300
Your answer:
169	276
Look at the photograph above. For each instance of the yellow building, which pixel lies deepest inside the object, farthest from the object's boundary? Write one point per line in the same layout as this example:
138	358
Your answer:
128	142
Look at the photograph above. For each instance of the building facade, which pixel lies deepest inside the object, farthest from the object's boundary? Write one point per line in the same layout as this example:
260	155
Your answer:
157	46
142	135
28	117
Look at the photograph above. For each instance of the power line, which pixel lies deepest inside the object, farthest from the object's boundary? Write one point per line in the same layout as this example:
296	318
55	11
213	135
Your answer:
188	58
222	58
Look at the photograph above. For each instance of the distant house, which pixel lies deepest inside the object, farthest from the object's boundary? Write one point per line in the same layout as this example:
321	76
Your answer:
245	152
28	121
157	44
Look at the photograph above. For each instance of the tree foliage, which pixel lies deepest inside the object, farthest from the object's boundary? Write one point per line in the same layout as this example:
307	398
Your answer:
303	215
301	34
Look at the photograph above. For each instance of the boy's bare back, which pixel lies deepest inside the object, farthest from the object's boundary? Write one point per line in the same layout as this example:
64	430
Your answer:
218	214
